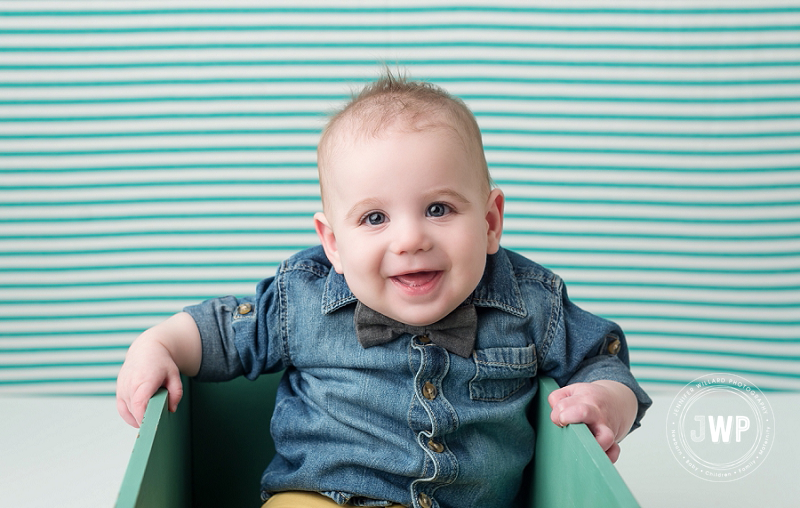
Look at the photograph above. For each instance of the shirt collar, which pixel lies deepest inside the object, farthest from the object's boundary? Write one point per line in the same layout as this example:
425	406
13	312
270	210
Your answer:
497	289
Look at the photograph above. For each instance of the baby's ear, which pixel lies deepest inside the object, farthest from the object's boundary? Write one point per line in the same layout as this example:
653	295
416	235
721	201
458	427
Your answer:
328	240
494	220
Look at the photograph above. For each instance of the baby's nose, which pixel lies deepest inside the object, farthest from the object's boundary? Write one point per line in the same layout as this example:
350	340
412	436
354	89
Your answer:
410	238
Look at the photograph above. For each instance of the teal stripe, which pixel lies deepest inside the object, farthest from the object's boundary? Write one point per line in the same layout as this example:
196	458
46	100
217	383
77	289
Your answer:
182	216
90	316
748	288
177	149
412	27
711	287
70	333
640	151
231	182
754	256
180	98
619	219
489	148
749	82
718	368
752	82
316	132
653	203
176	132
138	282
700	235
272	266
715	320
431	43
65	349
172	249
660	317
407	62
186	298
714	352
640	251
722	10
650	384
693	337
642	134
728	168
57	365
630	332
340	98
62	218
70	380
45	393
315	199
794	305
721	117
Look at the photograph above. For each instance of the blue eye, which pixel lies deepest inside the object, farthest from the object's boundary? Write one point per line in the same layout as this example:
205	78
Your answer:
438	210
375	218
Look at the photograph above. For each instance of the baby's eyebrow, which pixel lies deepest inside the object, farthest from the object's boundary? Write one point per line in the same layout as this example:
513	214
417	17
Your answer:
439	193
367	203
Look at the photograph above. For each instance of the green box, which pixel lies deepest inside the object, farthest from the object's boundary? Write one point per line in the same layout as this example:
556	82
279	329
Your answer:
212	451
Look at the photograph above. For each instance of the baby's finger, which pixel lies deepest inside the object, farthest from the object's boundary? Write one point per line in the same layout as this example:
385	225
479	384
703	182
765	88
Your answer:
557	396
564	413
604	436
122	409
613	453
174	389
140	398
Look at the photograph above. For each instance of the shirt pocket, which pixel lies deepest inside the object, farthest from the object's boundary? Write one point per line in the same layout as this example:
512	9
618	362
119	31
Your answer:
501	372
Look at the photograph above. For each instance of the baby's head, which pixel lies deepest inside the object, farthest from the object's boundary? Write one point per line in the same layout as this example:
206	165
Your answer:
409	210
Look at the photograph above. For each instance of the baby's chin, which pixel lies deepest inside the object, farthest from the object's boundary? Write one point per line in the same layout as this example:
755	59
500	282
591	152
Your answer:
423	316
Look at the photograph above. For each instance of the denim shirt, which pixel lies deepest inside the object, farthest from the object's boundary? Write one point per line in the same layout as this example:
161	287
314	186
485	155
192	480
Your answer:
406	420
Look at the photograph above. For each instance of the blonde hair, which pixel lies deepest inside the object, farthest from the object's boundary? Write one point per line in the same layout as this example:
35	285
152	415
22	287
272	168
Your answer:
395	100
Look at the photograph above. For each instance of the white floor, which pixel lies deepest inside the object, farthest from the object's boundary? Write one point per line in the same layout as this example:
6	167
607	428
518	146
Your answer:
72	452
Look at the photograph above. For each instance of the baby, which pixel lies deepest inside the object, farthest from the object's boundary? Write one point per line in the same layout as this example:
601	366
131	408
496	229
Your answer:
410	339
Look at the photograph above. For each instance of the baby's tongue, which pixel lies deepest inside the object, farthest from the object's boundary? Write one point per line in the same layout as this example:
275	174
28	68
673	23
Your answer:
416	279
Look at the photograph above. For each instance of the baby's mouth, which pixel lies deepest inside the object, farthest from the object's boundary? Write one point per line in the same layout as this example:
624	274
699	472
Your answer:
416	279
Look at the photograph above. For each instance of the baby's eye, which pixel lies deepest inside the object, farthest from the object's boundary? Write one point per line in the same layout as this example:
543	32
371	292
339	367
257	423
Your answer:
438	210
374	218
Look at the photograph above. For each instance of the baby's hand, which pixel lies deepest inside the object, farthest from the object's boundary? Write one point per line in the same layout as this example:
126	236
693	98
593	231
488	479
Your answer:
608	408
148	366
155	359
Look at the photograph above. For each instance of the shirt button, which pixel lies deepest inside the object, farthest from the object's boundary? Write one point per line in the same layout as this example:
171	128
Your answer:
613	347
429	391
424	501
436	447
244	308
424	339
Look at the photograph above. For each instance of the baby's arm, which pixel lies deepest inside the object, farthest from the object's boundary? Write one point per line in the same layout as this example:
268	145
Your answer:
608	408
155	359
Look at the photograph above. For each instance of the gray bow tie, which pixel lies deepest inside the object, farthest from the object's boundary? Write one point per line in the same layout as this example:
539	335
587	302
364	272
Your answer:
455	332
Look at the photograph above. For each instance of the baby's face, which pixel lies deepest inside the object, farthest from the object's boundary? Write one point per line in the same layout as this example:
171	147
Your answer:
409	222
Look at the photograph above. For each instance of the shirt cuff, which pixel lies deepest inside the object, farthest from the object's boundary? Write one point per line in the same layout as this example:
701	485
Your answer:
220	360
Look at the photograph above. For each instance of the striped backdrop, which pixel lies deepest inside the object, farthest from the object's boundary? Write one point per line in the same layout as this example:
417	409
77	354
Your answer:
153	154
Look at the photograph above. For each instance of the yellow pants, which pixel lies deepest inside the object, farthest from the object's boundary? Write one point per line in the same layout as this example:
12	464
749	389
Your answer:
303	500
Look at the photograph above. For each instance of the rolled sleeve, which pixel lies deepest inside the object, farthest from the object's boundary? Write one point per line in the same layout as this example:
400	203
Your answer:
587	348
240	336
214	318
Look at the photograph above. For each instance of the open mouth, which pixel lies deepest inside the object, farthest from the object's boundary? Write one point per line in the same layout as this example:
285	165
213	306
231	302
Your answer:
417	280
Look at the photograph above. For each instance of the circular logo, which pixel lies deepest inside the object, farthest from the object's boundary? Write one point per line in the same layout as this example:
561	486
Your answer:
720	427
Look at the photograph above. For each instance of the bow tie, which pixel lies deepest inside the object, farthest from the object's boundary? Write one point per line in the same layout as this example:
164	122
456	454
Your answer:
455	332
